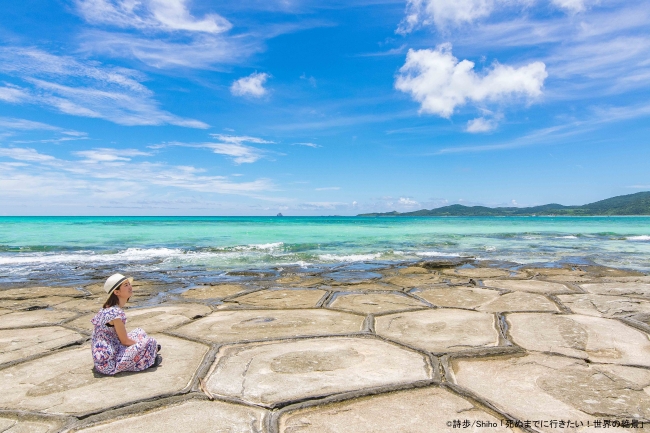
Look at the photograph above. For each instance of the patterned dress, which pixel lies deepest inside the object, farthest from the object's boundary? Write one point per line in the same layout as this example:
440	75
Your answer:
110	355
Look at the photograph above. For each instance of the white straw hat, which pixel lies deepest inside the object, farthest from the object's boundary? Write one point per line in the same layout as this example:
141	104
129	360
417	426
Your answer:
114	281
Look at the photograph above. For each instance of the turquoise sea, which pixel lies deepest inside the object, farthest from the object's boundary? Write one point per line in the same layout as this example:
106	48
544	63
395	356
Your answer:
56	250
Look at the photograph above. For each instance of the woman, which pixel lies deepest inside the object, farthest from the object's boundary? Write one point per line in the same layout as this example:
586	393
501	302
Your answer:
114	349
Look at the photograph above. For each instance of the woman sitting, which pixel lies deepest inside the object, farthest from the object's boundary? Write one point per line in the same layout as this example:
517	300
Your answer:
114	349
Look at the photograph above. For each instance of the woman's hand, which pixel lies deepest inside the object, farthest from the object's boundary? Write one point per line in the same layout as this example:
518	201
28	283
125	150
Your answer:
121	332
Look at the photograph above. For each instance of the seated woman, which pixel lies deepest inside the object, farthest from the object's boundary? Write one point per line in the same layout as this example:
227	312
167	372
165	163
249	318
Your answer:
114	349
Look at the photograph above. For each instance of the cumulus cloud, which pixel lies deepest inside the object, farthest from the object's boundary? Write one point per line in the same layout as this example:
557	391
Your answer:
163	15
405	201
481	124
86	89
253	85
440	83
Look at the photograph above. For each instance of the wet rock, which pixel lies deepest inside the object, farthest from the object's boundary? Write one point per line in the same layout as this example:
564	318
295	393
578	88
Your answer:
445	263
544	387
441	330
411	281
27	425
65	383
412	270
520	301
476	272
460	297
533	286
637	290
17	344
271	373
193	416
351	277
155	319
422	410
21	319
375	303
218	291
286	298
593	338
40	292
35	303
605	306
253	325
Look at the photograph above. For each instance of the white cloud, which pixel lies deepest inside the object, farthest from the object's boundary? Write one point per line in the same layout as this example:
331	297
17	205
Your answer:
440	83
109	155
24	154
481	124
162	15
229	145
405	201
253	85
12	94
314	145
328	188
571	5
86	89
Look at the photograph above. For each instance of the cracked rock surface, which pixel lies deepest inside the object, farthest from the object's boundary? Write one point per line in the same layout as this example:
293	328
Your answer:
359	348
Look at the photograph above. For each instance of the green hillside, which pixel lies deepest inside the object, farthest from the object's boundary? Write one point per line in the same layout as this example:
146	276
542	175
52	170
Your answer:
631	204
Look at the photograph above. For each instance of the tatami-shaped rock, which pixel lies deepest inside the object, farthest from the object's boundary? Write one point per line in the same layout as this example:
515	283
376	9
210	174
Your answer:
285	298
22	319
155	319
411	281
476	272
17	344
82	304
440	330
593	338
637	290
194	416
271	373
544	387
25	425
459	297
36	303
520	301
300	281
40	292
367	287
605	306
218	291
533	286
375	303
410	270
252	325
64	382
423	410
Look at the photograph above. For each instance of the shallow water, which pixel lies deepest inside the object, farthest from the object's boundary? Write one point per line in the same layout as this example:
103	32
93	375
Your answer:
76	249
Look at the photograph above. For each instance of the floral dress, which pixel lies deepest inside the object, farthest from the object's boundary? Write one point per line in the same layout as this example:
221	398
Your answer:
110	355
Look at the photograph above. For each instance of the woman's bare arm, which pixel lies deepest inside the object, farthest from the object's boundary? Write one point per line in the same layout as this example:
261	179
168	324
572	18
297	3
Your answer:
121	332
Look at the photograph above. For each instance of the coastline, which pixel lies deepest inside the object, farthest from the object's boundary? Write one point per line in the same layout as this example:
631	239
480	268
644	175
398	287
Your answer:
302	351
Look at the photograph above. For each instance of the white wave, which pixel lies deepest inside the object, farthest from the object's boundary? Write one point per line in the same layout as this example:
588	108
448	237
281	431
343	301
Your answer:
567	237
436	254
349	258
638	238
267	247
128	255
489	248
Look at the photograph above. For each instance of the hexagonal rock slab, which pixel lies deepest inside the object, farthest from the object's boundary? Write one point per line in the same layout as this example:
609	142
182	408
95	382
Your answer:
410	281
375	303
299	281
533	286
638	290
593	338
64	382
412	270
40	292
279	299
271	373
193	416
520	301
545	387
21	319
154	319
11	425
16	344
441	330
422	410
35	303
82	304
605	306
214	292
367	287
255	325
477	272
460	297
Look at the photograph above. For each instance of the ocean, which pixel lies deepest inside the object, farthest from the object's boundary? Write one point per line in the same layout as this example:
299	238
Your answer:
75	250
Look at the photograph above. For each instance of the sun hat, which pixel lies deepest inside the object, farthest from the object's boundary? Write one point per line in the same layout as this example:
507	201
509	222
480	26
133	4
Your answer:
114	281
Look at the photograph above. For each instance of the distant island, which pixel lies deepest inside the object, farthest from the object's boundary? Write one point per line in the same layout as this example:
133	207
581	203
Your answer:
631	204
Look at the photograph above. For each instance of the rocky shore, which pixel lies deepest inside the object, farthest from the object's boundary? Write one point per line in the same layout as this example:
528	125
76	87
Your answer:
433	347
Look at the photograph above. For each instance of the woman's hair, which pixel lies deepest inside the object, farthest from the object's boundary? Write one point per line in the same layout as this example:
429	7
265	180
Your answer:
111	301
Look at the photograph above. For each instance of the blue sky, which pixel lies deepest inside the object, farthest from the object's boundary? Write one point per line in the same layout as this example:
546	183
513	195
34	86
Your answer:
196	107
